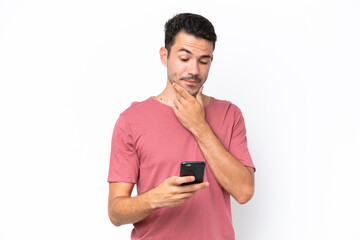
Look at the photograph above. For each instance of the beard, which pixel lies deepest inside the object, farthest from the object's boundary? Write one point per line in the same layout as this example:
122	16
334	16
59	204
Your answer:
192	90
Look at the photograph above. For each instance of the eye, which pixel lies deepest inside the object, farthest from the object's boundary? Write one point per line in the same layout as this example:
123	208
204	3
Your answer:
204	63
184	59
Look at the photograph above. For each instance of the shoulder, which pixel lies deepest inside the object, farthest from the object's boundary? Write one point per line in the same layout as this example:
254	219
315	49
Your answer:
224	105
136	108
141	114
129	116
131	113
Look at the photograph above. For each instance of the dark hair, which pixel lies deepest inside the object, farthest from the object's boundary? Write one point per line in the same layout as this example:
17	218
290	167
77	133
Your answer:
190	23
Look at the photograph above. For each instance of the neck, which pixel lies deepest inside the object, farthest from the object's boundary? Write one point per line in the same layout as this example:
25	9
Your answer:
169	94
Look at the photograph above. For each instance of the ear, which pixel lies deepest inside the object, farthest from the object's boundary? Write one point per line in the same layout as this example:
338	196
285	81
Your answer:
163	56
212	57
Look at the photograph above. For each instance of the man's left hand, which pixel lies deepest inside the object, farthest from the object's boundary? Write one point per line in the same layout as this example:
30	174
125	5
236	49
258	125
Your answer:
188	109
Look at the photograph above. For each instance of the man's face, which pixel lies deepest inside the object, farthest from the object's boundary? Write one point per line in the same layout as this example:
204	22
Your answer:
189	62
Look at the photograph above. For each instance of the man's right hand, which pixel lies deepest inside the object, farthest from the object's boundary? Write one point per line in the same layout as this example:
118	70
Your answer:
124	209
171	193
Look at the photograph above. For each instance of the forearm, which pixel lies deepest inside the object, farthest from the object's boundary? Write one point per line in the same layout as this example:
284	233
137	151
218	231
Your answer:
124	210
232	175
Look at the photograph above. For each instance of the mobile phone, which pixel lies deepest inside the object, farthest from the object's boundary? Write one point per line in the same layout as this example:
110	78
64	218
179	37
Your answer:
195	169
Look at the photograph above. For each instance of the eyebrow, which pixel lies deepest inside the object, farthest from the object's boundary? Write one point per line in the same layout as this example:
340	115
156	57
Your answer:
187	51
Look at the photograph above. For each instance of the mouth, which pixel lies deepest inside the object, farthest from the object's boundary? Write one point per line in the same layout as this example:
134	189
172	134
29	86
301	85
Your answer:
191	83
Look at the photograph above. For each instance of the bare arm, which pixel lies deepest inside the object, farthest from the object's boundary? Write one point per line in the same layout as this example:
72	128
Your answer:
233	176
124	209
226	169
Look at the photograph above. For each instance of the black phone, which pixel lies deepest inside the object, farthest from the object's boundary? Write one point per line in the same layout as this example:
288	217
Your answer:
195	169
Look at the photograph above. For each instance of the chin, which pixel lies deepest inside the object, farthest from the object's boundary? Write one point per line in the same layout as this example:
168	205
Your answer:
192	92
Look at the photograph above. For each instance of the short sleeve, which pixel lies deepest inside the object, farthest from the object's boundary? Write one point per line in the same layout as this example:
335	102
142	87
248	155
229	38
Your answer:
238	144
124	162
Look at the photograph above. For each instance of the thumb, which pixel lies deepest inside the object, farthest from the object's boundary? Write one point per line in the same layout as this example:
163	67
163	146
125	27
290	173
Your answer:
199	95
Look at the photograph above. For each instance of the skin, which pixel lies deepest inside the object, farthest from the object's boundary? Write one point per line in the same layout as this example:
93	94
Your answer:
188	66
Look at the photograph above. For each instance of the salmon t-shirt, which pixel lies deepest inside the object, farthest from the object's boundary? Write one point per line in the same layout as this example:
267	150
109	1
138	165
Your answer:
149	144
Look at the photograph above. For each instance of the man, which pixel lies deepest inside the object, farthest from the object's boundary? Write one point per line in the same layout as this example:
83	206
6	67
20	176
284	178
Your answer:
152	138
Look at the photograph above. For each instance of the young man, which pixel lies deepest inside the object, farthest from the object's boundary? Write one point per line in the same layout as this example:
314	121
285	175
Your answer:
151	139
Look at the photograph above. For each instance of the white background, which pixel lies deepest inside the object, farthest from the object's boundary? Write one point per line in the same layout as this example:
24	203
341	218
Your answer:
68	68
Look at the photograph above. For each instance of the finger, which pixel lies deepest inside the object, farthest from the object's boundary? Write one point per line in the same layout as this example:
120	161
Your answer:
199	95
181	91
181	180
195	187
175	110
177	104
185	196
180	98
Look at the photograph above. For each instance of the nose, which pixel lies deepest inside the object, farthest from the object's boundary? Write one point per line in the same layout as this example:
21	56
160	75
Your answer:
194	68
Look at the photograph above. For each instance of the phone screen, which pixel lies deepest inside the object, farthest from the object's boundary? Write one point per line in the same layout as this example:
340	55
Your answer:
195	169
